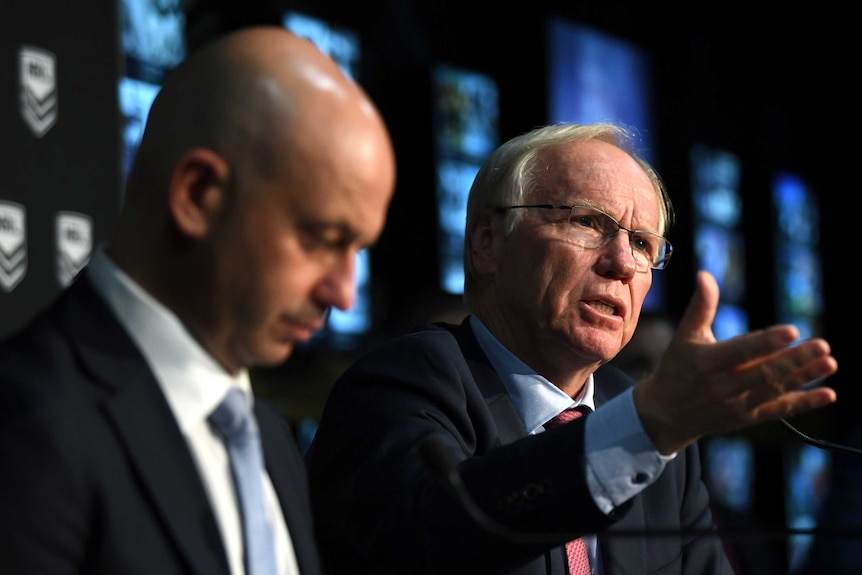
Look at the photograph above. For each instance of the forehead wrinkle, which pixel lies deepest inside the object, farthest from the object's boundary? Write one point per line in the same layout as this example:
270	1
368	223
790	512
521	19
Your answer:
609	177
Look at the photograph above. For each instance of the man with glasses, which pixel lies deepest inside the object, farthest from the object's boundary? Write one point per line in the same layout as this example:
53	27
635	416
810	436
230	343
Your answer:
436	451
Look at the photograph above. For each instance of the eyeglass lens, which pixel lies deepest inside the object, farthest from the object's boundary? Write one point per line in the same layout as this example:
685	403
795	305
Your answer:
595	228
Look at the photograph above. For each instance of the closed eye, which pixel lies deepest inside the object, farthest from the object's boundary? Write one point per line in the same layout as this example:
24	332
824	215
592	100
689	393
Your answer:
327	238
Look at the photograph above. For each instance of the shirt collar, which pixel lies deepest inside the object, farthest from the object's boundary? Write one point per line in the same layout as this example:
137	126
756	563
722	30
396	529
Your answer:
191	379
536	399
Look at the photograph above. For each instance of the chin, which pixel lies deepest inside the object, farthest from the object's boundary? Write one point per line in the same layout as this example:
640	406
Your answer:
284	353
274	355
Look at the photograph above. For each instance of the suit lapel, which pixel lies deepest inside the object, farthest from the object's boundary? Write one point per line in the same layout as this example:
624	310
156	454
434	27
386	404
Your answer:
286	470
628	555
609	382
509	425
144	424
275	450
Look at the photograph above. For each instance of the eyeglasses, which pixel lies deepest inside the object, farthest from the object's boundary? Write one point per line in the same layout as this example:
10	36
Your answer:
592	228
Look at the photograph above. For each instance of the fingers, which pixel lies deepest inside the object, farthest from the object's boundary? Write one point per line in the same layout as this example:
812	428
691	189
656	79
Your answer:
784	372
697	321
743	351
704	387
793	403
696	327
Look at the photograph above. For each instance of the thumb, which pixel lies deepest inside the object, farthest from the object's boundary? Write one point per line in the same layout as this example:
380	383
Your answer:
700	313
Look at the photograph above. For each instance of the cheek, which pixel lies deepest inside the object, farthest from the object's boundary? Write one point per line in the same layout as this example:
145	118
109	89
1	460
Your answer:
286	274
639	290
565	273
525	276
548	286
269	271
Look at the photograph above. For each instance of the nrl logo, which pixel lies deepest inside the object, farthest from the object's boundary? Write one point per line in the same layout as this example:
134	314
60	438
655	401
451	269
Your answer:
74	244
13	247
38	89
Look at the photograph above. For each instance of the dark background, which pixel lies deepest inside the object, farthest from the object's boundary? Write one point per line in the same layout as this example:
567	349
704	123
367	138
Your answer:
777	88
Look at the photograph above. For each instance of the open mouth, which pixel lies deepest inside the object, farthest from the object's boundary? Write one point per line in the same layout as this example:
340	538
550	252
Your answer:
602	307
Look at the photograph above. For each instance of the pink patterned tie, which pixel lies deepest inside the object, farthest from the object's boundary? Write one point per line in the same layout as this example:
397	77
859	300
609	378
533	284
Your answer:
576	551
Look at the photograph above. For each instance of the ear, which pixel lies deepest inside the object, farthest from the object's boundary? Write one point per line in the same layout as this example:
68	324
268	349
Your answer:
197	188
482	247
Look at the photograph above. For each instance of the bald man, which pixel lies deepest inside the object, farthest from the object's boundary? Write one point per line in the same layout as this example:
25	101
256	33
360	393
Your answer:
262	172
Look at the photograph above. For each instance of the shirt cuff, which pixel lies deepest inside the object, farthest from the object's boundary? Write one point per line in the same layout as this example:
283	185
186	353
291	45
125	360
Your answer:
620	458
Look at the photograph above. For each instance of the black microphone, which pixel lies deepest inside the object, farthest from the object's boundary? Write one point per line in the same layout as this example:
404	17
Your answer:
440	461
820	443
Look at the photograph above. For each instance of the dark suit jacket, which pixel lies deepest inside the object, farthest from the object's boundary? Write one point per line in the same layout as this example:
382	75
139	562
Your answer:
380	509
95	476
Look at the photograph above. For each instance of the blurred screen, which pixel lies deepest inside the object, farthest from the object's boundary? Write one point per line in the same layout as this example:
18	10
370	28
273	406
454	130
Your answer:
721	251
807	474
798	275
719	242
593	76
153	43
715	181
465	118
730	321
136	99
729	472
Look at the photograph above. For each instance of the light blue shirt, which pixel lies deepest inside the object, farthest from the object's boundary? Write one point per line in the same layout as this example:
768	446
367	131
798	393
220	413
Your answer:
621	461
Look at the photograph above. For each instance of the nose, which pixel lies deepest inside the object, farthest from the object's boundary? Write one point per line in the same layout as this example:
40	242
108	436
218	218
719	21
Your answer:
618	257
337	288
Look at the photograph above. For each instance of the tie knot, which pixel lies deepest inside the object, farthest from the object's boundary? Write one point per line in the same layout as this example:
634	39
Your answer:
233	418
566	416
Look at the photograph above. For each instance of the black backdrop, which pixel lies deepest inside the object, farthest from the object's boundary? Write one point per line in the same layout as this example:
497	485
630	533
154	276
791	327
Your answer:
50	169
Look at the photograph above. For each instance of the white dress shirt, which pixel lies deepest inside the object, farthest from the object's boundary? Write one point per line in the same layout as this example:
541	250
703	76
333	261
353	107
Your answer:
194	384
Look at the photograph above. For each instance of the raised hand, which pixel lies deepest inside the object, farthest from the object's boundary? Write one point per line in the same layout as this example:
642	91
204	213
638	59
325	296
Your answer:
703	387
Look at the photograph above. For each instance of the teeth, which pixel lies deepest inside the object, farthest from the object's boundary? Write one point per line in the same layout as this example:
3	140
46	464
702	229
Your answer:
603	307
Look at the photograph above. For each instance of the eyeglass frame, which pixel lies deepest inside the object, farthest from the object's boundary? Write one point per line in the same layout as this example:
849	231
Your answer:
660	265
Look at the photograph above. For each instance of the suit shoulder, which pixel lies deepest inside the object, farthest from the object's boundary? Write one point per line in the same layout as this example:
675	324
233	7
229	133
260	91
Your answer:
429	348
422	337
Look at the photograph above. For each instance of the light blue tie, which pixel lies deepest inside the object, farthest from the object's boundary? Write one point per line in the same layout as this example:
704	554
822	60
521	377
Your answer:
234	420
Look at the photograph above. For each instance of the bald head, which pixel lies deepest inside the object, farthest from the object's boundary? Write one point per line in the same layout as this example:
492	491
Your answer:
240	95
248	97
262	171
